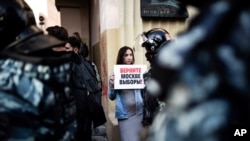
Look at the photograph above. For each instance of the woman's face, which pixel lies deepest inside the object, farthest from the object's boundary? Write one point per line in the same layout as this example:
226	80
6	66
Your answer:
128	57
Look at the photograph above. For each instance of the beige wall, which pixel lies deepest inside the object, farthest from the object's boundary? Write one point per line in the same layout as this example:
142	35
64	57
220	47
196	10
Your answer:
114	23
121	23
53	14
47	9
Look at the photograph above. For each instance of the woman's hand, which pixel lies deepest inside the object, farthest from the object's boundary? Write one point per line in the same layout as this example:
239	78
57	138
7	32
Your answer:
111	80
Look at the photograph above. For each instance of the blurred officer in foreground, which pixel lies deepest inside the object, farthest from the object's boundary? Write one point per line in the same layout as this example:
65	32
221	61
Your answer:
153	40
34	90
204	76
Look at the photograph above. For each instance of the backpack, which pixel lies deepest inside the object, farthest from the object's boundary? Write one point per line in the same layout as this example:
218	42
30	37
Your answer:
94	89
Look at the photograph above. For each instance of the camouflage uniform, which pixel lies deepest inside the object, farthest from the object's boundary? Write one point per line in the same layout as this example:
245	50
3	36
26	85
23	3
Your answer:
37	100
207	84
35	97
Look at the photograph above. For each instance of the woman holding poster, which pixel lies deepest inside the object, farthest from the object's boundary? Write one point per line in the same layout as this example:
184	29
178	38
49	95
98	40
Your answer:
129	103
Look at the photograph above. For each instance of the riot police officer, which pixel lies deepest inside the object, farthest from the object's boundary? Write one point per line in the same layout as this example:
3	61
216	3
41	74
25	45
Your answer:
34	89
152	42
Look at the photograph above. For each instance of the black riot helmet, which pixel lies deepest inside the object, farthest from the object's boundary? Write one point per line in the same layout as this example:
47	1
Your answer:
152	41
21	39
15	16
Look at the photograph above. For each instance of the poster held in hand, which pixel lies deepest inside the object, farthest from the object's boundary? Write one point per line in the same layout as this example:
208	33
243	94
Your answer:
129	76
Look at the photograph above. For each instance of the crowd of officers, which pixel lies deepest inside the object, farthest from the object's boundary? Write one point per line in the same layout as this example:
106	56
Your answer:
43	91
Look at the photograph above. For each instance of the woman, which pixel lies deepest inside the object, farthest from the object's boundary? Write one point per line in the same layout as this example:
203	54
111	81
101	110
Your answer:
129	103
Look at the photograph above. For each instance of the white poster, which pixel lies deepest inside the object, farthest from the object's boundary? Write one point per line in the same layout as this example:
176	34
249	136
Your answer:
129	76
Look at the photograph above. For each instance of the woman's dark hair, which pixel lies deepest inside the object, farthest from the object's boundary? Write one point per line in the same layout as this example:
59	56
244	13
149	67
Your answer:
74	42
121	53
